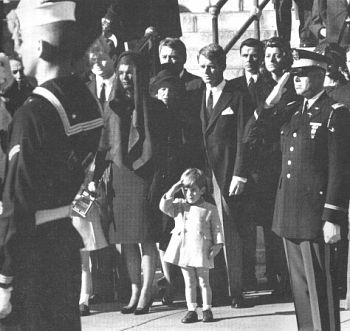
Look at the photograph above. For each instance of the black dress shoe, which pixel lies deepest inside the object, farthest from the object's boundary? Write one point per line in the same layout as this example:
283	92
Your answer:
190	317
84	310
167	296
207	316
145	309
128	309
237	302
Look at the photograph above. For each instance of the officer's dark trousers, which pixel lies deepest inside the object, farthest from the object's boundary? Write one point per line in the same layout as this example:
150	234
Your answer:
47	285
312	276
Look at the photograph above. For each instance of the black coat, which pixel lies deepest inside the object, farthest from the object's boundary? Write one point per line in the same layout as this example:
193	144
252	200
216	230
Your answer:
223	133
313	185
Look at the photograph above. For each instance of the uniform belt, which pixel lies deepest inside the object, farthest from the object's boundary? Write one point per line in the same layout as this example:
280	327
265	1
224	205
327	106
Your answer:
48	215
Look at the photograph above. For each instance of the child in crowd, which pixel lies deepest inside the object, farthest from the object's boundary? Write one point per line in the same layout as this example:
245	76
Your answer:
196	239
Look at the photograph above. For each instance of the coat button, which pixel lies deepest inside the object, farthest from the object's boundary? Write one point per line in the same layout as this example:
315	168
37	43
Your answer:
294	134
289	162
291	148
288	176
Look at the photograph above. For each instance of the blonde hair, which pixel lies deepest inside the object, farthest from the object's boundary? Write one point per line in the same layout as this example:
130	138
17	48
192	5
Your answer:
194	176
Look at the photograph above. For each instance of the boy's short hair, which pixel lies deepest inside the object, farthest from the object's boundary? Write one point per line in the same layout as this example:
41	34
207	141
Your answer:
176	44
214	53
194	176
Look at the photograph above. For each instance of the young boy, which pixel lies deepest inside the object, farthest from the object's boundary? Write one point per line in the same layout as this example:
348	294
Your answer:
196	239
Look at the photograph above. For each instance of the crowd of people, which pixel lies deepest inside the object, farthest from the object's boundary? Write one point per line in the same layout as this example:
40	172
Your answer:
178	168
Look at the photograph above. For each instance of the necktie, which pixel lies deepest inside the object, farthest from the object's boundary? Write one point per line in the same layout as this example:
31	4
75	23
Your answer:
306	107
210	103
252	89
103	94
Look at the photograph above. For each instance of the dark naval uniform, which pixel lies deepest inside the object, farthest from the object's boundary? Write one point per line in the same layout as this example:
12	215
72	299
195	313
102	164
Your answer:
313	189
53	139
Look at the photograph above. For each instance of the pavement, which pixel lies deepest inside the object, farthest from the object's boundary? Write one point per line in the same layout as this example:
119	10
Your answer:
263	314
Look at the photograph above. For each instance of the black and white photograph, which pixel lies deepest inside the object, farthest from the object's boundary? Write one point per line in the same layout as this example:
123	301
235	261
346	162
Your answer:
174	164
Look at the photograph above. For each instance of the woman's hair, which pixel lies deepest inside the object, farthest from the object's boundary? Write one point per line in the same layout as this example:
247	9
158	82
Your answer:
140	75
194	176
284	47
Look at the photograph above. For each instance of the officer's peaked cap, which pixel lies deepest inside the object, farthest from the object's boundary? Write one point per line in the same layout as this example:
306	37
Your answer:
305	58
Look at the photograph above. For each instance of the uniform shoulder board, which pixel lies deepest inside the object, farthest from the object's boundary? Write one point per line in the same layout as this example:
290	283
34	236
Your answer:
338	105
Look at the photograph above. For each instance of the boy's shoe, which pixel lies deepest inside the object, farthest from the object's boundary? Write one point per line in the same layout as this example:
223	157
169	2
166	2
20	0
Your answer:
207	316
190	317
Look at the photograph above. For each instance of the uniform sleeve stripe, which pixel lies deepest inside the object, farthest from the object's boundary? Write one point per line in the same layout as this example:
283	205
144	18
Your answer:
6	279
333	207
14	150
68	128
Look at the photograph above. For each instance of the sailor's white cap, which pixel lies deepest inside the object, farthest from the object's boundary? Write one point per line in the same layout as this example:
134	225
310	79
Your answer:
39	12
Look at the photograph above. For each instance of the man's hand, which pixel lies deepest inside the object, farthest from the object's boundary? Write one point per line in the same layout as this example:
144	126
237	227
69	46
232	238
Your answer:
331	233
277	92
214	250
5	304
236	186
6	76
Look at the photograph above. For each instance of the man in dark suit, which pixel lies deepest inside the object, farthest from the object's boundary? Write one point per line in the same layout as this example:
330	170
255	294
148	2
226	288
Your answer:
102	60
251	82
313	192
253	85
330	21
223	121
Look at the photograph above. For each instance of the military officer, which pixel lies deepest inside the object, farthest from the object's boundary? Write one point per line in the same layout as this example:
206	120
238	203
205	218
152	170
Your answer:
312	195
53	138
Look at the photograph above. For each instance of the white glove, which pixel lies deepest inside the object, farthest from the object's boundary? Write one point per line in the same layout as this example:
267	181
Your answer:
92	187
277	92
5	304
6	76
331	233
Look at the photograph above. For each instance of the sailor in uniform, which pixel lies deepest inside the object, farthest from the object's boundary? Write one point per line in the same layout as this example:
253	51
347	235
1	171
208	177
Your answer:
53	139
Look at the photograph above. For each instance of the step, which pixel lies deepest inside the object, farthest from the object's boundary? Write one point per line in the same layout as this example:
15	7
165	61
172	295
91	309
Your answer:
202	22
197	6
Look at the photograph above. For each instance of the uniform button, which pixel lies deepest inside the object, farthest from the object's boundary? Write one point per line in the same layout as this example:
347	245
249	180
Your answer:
281	132
294	134
289	162
291	149
74	116
288	176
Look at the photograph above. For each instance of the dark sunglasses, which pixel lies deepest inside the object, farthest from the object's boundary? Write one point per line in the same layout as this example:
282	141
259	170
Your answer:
303	71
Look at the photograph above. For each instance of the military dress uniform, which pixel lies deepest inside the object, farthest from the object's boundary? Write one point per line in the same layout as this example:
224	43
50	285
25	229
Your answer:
53	139
313	189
